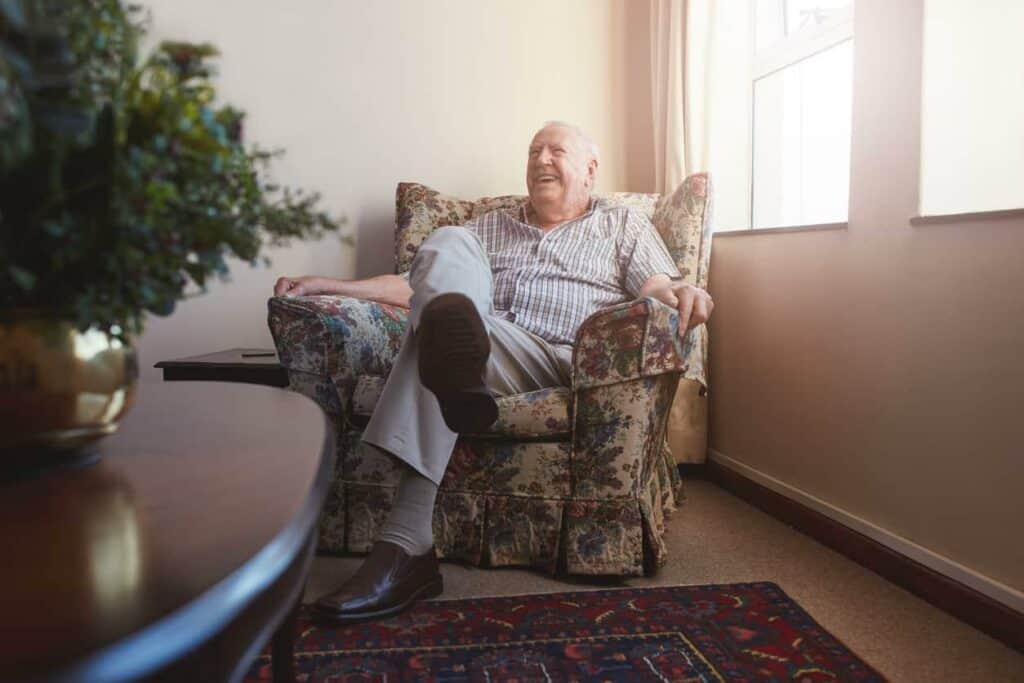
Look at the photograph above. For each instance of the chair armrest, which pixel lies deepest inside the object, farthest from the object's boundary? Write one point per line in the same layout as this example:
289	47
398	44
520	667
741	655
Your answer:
626	366
336	336
633	340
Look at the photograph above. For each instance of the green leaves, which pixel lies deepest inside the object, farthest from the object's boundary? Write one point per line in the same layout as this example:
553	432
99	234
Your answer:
124	183
22	278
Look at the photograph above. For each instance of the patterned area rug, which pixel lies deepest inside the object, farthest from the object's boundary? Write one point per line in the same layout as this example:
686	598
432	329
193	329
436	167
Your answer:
728	632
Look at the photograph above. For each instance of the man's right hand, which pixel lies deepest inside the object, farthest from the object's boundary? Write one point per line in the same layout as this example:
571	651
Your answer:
298	286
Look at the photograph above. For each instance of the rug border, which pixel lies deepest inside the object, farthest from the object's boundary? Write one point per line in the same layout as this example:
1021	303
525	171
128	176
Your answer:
791	601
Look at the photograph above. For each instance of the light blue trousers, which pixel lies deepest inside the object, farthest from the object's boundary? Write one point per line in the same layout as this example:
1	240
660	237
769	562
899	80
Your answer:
407	420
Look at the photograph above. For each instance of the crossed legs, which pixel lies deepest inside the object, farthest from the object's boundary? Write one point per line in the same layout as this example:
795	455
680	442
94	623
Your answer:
408	422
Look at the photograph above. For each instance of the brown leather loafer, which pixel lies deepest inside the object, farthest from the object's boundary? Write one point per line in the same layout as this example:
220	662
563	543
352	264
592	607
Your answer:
388	582
453	352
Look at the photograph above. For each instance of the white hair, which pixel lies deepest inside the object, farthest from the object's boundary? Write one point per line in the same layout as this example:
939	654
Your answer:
588	142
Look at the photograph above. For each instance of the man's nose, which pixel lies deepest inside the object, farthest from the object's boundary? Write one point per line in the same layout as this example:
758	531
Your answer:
545	156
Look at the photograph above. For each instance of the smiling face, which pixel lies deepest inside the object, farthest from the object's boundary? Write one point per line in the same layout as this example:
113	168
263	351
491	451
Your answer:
560	173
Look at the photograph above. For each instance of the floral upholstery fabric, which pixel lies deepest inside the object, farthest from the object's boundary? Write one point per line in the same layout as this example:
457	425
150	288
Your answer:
569	480
684	220
417	207
534	415
336	339
537	414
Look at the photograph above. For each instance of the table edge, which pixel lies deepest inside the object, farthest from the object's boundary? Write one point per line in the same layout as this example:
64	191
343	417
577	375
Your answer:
193	360
175	636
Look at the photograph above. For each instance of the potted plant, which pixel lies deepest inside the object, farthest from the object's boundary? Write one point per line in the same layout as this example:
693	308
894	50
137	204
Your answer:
124	187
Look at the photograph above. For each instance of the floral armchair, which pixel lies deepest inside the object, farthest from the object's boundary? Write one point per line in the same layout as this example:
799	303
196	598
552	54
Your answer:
575	479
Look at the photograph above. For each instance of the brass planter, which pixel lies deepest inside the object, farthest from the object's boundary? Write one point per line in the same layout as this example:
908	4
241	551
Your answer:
60	389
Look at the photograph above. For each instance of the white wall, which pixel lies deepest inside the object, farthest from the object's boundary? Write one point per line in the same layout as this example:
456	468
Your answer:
363	95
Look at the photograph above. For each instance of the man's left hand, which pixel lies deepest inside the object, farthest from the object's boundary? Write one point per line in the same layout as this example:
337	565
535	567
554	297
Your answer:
693	303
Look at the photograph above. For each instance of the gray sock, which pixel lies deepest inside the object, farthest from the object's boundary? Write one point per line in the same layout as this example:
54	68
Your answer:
409	523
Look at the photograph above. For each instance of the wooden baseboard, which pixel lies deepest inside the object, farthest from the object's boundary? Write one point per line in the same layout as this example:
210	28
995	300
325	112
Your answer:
693	470
951	596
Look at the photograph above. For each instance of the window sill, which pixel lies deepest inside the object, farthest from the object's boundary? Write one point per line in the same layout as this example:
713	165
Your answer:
943	218
789	228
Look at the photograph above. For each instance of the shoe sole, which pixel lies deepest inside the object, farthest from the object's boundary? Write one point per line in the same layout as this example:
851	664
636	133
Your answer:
431	589
454	348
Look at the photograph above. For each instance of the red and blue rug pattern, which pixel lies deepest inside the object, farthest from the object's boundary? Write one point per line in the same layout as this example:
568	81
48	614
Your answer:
728	632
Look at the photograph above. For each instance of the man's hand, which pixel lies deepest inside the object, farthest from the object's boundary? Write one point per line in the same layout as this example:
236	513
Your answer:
298	286
693	303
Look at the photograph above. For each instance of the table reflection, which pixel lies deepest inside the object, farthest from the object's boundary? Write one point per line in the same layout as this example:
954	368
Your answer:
81	529
113	547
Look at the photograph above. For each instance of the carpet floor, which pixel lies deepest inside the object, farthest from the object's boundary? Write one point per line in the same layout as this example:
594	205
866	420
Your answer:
717	538
698	634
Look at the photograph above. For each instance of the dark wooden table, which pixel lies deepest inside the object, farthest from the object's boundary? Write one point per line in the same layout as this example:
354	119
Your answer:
179	553
254	366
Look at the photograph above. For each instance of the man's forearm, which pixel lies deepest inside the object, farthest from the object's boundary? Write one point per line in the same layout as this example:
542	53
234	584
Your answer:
385	289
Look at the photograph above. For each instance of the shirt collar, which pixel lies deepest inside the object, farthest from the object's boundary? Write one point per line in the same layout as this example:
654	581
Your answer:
594	201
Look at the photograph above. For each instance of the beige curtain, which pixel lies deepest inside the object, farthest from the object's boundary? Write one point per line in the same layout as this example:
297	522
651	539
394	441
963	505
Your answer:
682	33
682	50
668	26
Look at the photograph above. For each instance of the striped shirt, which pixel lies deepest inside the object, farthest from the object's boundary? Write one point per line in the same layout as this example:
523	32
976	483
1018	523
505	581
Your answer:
548	283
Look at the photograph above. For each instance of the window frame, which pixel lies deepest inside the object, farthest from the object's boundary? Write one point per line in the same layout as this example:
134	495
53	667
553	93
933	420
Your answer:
784	53
798	46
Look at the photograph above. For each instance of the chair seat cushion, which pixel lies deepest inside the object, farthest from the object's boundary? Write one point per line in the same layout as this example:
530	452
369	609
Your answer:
541	414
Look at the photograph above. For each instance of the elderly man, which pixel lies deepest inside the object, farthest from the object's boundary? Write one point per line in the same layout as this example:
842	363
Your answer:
494	309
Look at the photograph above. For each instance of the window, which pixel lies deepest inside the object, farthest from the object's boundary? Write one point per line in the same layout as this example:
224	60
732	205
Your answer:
972	109
802	83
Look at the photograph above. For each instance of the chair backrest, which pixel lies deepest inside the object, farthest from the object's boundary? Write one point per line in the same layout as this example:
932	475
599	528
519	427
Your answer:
682	218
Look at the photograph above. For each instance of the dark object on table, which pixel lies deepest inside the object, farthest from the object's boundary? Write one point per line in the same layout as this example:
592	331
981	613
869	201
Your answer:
252	366
179	553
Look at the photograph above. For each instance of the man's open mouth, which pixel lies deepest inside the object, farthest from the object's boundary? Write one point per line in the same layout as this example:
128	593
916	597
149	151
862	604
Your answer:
547	179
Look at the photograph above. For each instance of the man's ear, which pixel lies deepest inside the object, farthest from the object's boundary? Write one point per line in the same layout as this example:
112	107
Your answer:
592	171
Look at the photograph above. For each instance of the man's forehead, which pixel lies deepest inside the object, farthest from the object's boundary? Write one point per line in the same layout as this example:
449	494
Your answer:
555	133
